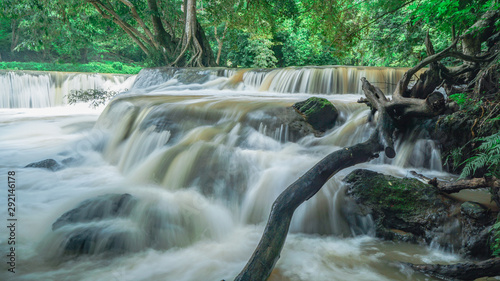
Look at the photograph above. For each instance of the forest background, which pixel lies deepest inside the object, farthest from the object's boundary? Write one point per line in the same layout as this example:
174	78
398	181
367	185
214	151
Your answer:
122	36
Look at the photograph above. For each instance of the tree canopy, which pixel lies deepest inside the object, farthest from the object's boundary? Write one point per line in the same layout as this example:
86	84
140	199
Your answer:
258	33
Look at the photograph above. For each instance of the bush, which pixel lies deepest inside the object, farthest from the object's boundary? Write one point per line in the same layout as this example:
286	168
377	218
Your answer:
95	67
96	97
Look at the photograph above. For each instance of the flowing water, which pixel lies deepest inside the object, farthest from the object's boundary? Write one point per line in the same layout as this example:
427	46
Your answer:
180	173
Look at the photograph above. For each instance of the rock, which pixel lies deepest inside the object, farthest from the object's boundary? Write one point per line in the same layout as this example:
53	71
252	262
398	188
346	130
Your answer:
474	211
105	206
88	230
161	125
49	164
281	123
405	209
478	245
403	204
319	112
96	240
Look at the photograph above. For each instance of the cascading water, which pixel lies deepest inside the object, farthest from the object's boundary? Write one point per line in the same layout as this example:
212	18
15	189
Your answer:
174	180
33	89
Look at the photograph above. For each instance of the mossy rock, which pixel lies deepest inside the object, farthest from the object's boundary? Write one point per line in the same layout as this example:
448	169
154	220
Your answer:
405	209
319	112
396	203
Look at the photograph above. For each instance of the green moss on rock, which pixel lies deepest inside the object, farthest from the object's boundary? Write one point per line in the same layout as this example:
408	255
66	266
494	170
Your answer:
403	195
319	112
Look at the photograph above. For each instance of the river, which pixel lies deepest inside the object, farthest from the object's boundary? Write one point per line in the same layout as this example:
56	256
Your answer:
198	158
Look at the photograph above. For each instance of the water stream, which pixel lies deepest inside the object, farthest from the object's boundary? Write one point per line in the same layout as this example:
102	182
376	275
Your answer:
180	173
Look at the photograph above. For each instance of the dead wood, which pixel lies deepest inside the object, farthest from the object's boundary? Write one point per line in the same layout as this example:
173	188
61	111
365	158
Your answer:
461	271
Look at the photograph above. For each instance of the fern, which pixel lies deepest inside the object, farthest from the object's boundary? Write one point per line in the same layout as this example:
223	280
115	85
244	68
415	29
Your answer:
495	246
488	156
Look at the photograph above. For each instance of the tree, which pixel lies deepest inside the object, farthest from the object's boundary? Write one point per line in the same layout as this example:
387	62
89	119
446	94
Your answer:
61	30
420	101
154	27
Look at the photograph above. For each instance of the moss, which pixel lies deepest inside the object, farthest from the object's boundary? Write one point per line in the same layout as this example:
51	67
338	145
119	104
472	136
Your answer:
402	195
319	112
313	105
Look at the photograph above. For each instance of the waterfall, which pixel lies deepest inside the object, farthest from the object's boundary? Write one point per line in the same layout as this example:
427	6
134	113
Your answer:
175	178
33	89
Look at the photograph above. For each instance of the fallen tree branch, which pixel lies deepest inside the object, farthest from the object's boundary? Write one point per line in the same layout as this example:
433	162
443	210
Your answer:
452	187
461	271
456	186
265	256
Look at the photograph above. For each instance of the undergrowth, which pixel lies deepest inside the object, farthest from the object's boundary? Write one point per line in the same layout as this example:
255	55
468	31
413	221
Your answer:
95	67
487	156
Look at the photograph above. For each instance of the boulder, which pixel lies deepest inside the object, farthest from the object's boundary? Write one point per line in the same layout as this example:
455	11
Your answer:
101	207
49	164
405	209
319	112
96	240
88	230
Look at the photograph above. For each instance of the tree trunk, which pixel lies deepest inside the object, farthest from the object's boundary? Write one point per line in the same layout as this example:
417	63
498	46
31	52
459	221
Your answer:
15	35
164	39
194	40
161	45
475	36
84	55
220	42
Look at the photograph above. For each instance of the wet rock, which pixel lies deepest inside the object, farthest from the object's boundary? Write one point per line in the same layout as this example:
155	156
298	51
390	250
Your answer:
96	240
87	229
407	205
49	164
312	116
280	123
162	124
105	206
479	244
474	211
319	112
405	209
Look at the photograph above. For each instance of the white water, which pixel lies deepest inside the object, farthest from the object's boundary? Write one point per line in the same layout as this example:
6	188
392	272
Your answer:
204	162
34	89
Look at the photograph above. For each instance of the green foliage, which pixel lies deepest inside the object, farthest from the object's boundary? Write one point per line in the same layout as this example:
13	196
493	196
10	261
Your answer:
96	67
251	52
260	33
461	99
263	55
487	157
495	246
94	96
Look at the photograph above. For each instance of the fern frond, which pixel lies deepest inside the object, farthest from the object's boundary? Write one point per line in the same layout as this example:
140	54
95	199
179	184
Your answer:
488	156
